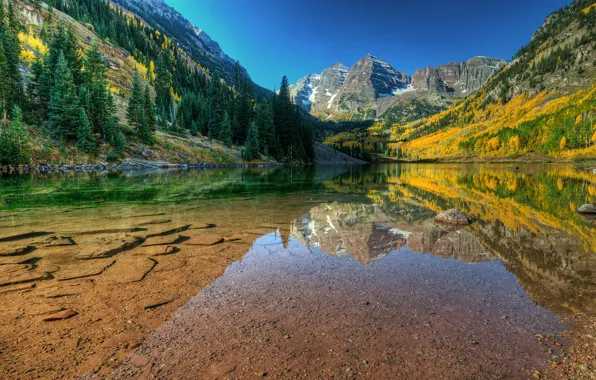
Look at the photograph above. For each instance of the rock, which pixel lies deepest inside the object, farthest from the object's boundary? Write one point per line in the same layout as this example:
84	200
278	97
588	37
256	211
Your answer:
587	209
60	316
156	221
163	240
28	235
156	250
14	274
454	217
107	246
87	269
173	231
205	240
56	241
17	288
155	304
129	269
11	250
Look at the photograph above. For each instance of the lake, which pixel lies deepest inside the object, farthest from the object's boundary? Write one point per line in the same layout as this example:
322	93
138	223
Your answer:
327	272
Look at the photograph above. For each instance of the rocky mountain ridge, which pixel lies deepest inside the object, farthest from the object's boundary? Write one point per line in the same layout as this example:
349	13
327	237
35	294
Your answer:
192	39
371	88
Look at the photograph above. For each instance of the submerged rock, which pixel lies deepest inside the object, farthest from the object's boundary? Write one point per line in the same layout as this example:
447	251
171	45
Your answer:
205	240
60	316
454	217
587	209
105	247
8	250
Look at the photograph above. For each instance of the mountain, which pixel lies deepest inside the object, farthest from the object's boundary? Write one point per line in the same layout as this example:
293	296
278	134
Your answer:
372	89
458	79
543	103
190	38
315	92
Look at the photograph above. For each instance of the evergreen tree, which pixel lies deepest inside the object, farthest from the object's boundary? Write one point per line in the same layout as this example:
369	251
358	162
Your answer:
14	141
266	125
136	112
95	79
4	83
64	113
251	148
13	82
225	130
85	140
149	110
163	85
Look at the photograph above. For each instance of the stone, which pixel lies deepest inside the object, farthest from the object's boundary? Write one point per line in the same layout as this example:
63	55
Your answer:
14	274
454	217
56	241
88	269
129	269
60	316
156	250
12	250
173	231
587	209
205	240
163	240
28	235
107	246
158	303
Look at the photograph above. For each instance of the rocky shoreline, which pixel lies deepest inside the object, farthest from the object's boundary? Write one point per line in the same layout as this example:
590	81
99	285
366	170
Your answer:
136	165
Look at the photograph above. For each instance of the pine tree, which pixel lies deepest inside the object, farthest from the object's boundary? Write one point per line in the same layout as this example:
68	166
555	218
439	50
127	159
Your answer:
226	134
73	56
85	140
163	85
266	125
149	110
64	113
136	114
4	83
251	148
14	141
95	79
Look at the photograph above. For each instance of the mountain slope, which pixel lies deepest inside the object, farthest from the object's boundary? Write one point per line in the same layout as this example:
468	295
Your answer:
193	40
543	102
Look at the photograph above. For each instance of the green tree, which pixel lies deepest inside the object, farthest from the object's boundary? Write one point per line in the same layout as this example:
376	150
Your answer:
266	125
64	113
136	114
251	147
149	110
95	80
14	141
225	130
85	140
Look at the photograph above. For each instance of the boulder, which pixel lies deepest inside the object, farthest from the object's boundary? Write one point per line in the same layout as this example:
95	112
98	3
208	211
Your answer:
587	209
454	217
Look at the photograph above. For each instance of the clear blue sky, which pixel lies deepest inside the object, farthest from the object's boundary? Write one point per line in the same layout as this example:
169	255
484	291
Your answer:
272	38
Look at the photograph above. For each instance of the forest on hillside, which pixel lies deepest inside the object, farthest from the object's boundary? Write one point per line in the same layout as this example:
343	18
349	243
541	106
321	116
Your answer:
54	90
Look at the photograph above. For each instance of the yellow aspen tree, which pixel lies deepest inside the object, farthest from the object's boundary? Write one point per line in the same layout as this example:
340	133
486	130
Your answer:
563	143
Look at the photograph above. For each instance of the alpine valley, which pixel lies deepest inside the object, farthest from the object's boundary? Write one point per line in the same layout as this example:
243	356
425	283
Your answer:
540	106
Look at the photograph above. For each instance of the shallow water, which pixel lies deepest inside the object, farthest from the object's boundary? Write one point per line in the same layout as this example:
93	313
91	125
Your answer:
326	272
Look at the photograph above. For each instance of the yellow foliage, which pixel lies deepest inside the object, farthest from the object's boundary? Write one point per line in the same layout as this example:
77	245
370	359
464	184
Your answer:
594	137
32	43
514	143
563	143
27	56
587	10
560	183
142	69
152	70
115	90
579	119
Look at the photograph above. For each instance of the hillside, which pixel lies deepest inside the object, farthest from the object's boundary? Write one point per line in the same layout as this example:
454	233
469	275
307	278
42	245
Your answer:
90	81
543	103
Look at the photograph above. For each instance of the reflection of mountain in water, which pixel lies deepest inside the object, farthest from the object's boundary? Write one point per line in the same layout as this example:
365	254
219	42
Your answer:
553	267
368	233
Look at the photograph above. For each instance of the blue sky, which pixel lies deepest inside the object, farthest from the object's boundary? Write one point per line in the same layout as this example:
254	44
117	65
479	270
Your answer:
272	38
